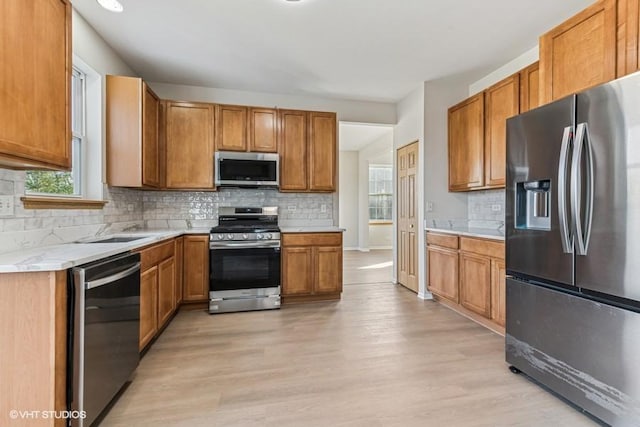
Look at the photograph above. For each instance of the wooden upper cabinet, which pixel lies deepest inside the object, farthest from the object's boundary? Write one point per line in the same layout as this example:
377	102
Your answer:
466	144
579	53
293	150
133	117
530	87
263	130
189	145
628	37
35	84
322	151
231	128
502	101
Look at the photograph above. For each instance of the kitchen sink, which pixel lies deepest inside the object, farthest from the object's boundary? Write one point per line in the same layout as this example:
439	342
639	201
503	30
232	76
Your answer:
115	240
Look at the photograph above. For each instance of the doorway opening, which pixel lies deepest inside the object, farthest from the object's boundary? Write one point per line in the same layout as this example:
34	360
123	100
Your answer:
366	201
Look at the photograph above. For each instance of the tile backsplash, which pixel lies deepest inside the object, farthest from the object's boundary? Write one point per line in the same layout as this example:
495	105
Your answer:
200	209
486	206
127	209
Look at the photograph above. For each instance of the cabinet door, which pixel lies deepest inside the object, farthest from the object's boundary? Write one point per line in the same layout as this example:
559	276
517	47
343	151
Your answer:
179	269
443	272
231	128
189	145
322	151
148	305
466	144
475	283
35	79
530	87
263	130
293	150
502	101
150	138
628	37
166	290
297	271
579	53
328	269
196	269
498	296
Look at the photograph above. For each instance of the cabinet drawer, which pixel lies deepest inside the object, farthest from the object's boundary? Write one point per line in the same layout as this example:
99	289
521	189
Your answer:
445	240
153	255
312	239
482	247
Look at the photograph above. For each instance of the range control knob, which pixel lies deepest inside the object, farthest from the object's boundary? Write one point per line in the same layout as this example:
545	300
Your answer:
268	236
229	236
220	236
245	236
259	236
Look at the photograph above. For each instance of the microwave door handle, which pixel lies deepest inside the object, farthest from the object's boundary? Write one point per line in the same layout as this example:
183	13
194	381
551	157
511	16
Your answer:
565	232
582	230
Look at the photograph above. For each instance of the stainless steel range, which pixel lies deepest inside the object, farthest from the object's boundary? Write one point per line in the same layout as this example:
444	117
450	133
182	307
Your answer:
245	260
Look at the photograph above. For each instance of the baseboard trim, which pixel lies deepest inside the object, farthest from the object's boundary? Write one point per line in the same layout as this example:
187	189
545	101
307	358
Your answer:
426	296
379	248
351	249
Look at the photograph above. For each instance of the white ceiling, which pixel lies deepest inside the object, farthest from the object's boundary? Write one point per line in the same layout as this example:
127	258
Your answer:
377	50
354	137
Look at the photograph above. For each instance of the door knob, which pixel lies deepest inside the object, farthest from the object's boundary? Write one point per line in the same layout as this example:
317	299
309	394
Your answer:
411	226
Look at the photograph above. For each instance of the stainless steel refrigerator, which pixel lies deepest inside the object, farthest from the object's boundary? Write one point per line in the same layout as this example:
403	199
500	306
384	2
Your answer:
573	249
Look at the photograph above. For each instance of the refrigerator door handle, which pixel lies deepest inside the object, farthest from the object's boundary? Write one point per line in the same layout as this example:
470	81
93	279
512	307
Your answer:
582	231
565	233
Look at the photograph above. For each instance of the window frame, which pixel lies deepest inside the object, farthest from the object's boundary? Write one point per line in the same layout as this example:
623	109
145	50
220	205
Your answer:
383	221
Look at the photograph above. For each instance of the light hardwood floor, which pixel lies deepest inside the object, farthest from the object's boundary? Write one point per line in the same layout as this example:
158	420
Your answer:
379	357
375	266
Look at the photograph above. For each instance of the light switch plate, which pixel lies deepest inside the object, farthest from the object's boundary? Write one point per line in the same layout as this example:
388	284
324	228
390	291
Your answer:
323	208
291	208
429	206
496	208
6	205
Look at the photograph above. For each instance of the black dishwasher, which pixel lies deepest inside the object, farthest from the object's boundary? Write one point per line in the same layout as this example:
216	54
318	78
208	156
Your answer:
104	328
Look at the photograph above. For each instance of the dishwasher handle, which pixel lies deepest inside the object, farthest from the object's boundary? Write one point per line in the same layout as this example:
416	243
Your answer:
114	277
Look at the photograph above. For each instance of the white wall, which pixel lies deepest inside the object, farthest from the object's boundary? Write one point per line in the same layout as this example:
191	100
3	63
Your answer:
348	197
350	111
512	67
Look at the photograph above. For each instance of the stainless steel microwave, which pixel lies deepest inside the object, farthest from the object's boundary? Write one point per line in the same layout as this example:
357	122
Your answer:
247	169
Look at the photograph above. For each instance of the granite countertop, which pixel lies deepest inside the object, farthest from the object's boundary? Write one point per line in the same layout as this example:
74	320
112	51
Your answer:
312	229
67	255
485	233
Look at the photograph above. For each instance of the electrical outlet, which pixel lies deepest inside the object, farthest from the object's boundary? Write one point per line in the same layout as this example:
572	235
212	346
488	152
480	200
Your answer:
496	208
429	206
323	208
6	205
291	209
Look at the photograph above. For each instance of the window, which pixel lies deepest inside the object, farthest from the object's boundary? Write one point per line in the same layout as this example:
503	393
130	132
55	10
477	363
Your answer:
66	183
380	193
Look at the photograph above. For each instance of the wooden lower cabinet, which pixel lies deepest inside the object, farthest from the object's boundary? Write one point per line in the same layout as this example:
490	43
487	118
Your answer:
475	283
195	287
157	289
498	292
443	272
166	289
148	305
468	275
311	266
179	269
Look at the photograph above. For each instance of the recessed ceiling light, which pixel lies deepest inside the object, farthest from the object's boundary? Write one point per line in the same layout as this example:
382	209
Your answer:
111	5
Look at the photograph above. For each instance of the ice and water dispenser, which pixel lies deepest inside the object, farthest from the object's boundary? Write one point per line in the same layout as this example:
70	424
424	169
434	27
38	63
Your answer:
533	205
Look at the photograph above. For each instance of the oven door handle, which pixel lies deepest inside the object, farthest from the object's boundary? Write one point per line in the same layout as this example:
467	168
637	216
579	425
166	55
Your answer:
241	245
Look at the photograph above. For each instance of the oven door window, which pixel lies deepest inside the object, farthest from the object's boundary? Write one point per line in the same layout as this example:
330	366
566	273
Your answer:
245	268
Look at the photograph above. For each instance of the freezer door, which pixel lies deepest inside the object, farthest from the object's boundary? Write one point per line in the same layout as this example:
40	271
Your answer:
610	116
538	230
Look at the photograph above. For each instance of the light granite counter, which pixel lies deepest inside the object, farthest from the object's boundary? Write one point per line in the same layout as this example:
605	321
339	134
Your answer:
67	255
312	229
483	233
